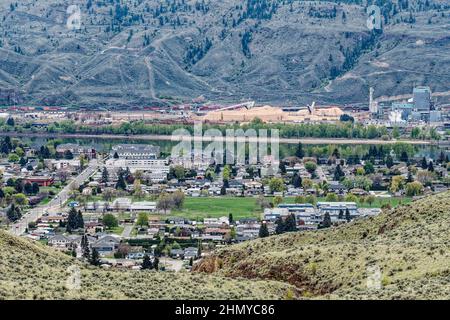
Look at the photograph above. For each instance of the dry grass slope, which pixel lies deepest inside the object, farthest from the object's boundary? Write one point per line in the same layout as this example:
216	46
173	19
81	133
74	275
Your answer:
32	271
410	245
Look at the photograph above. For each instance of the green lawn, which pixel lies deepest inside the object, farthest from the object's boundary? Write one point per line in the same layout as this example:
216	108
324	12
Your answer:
199	208
117	230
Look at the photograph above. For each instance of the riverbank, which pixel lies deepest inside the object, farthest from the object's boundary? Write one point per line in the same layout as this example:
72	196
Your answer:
317	141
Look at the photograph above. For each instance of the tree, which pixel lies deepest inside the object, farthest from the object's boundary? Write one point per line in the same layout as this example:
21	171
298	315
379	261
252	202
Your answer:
147	263
310	166
28	188
414	189
430	166
397	183
279	229
332	197
137	189
282	167
116	155
35	188
290	223
276	185
85	247
178	199
68	155
80	220
226	174
326	223
299	152
370	199
424	164
156	263
110	221
368	167
311	199
13	213
338	173
341	214
121	183
296	180
179	172
108	194
165	202
95	258
347	215
72	220
13	158
389	161
277	200
230	218
263	231
105	175
10	122
307	183
142	219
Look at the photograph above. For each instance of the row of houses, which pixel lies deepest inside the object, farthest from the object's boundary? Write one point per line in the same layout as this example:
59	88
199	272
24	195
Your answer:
310	216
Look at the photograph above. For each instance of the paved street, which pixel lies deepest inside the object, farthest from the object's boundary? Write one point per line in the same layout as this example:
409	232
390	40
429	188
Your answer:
54	206
126	233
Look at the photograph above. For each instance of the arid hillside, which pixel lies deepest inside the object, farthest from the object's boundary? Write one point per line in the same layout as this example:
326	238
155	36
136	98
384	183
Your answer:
30	270
404	253
131	53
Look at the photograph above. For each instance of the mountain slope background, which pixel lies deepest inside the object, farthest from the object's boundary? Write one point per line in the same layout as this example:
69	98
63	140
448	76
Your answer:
134	53
410	246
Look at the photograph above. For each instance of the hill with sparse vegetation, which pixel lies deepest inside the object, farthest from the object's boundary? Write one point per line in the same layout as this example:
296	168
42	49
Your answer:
135	53
30	270
409	246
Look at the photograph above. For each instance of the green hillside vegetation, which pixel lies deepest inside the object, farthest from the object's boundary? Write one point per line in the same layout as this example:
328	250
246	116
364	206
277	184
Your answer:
409	244
29	270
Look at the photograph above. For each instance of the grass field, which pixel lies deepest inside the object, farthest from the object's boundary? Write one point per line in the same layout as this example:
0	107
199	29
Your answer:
199	208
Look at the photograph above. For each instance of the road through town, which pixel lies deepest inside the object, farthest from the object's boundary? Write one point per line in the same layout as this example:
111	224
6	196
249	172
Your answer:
55	204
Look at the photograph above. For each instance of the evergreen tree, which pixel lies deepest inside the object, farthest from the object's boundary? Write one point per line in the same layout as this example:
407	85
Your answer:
296	180
95	258
121	184
299	152
105	175
389	161
430	166
290	223
85	247
424	164
326	223
279	229
341	214
263	231
72	220
80	220
156	263
13	213
348	217
147	263
338	173
230	218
